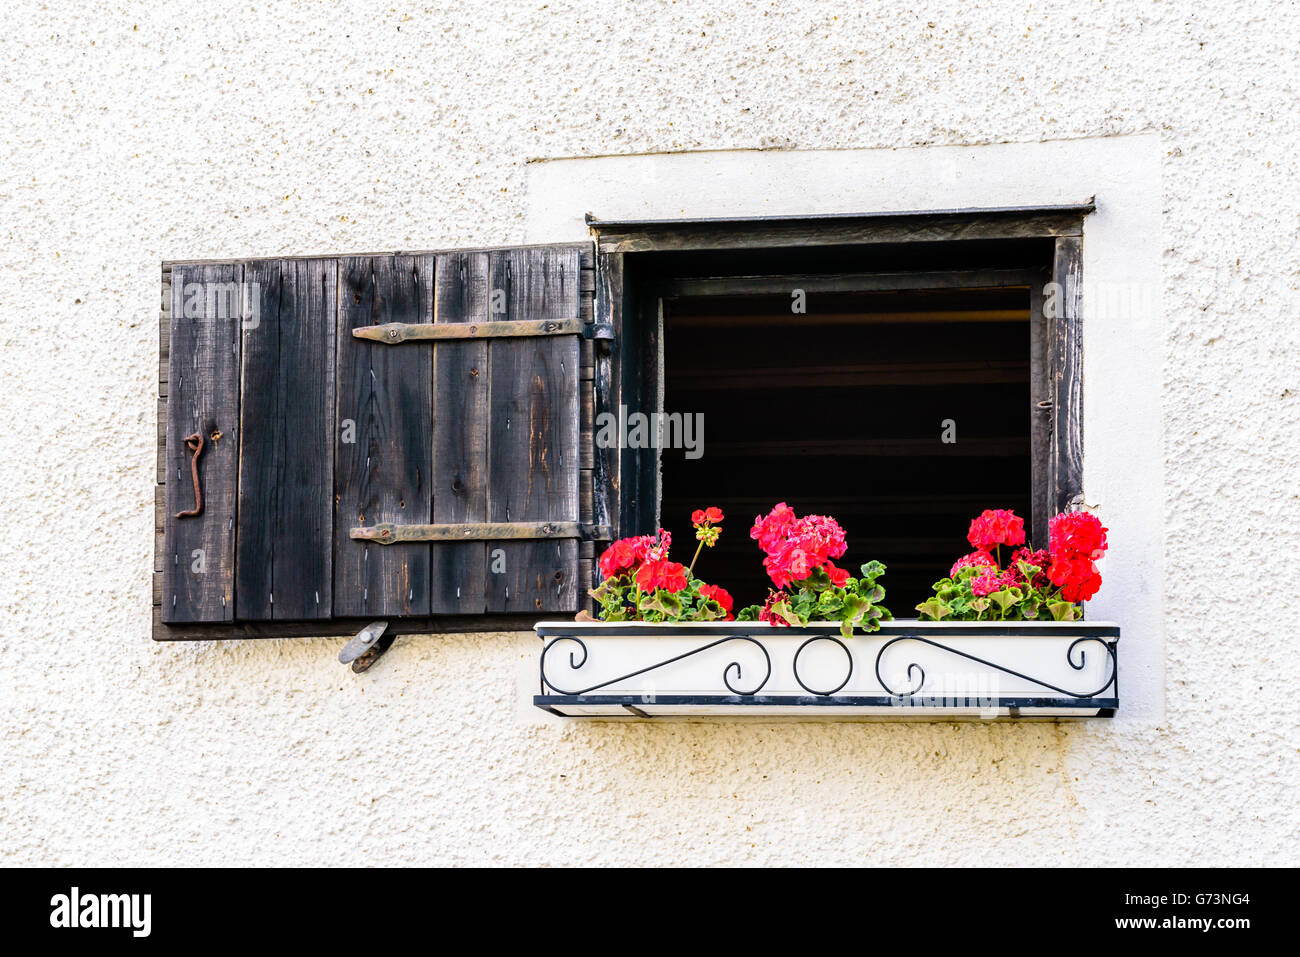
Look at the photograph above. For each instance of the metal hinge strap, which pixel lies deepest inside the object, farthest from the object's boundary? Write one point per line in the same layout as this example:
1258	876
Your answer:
393	333
387	533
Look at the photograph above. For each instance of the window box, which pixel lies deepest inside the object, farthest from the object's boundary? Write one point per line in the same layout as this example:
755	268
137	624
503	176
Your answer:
908	670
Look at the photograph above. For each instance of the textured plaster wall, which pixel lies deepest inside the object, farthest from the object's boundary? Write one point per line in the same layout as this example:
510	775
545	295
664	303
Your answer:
134	133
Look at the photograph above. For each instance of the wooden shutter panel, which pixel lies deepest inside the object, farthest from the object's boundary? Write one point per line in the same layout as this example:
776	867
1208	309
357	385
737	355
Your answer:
533	445
198	556
383	439
505	431
424	393
284	553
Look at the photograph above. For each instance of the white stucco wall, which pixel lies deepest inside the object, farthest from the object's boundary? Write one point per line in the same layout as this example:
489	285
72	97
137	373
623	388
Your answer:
137	133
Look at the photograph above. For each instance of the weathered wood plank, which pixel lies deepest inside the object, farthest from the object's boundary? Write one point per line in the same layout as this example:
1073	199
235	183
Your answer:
383	443
285	543
605	456
1040	416
460	431
952	279
854	375
1065	325
534	431
204	354
630	237
328	627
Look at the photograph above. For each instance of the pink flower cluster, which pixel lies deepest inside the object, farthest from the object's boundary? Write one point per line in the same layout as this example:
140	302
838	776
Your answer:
996	526
796	547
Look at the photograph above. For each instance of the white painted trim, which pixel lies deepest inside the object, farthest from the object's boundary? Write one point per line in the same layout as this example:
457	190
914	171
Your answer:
1123	432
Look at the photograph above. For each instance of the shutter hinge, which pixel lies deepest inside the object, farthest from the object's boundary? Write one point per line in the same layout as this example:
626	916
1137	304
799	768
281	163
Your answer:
388	533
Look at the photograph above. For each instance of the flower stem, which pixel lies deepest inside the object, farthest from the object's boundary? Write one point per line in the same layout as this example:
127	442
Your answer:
698	548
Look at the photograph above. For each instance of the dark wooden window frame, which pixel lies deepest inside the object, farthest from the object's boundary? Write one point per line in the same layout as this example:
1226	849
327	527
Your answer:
632	375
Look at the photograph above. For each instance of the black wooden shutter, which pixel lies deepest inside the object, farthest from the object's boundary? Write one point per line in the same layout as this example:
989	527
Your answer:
284	532
505	433
438	398
202	399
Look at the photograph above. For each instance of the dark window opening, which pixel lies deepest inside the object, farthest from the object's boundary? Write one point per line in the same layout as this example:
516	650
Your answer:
843	409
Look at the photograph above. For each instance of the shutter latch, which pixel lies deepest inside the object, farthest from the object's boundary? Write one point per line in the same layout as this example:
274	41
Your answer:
367	647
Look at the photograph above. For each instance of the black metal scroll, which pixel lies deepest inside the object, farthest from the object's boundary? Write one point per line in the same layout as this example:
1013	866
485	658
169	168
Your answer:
915	668
726	672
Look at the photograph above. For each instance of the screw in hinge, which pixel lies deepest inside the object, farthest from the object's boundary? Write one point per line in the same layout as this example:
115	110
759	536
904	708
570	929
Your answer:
457	592
410	595
365	594
175	559
271	597
173	601
223	601
318	598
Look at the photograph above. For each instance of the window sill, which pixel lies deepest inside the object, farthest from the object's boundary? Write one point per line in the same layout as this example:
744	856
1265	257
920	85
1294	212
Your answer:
907	671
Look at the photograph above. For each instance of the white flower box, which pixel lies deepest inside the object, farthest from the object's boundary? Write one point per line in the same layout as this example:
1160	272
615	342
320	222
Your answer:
908	670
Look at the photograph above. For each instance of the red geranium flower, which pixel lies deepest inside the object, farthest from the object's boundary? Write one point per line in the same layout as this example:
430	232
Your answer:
765	613
838	575
1041	558
795	546
619	557
996	526
711	515
974	559
1077	534
670	576
1078	578
720	595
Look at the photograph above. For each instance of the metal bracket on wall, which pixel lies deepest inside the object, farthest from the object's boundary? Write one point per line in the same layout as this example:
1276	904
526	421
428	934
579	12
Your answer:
367	647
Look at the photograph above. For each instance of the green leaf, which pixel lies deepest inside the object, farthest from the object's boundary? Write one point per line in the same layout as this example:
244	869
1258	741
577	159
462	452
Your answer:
1063	610
783	610
1006	597
749	613
664	602
872	569
933	609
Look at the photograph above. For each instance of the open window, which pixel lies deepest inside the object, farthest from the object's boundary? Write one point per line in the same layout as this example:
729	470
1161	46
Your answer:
899	372
413	437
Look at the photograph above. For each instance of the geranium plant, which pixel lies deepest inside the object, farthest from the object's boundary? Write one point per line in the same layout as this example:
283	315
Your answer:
1033	583
641	583
809	586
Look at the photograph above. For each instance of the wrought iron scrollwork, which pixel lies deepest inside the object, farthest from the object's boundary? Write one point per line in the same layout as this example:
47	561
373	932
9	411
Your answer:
847	675
914	668
576	664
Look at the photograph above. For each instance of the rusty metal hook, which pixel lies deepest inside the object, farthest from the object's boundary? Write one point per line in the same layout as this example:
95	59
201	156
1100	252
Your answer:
195	444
